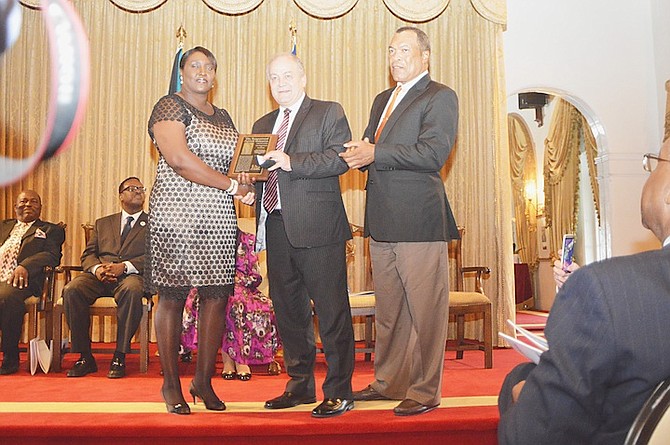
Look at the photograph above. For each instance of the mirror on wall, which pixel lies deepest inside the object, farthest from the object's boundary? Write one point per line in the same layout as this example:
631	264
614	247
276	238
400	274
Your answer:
554	188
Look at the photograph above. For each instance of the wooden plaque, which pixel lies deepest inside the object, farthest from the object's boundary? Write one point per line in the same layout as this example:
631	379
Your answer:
244	159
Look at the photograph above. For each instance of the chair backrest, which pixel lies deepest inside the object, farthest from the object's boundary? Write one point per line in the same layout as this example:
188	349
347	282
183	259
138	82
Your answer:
458	272
652	424
456	261
88	231
352	253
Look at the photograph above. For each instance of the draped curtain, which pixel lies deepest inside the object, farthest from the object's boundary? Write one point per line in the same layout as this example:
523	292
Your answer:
523	170
568	132
343	45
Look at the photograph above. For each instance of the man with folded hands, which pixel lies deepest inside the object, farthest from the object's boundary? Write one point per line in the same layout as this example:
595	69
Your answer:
607	335
114	264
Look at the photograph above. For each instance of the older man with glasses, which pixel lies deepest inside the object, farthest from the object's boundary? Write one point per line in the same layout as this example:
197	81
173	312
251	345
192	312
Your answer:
114	264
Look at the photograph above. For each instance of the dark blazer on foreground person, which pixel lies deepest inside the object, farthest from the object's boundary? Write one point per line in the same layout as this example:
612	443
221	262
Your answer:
608	349
309	263
409	178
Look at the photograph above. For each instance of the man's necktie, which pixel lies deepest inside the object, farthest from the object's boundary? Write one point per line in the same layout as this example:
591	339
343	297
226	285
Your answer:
389	110
9	251
271	194
126	229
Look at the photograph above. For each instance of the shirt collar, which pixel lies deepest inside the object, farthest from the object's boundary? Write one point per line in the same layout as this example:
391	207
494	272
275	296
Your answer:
295	107
125	215
409	84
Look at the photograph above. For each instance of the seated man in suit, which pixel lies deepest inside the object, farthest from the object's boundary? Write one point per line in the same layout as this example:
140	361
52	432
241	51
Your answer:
607	335
28	244
113	262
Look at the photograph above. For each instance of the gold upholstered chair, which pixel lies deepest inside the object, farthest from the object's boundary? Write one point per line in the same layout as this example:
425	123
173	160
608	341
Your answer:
103	307
469	305
363	303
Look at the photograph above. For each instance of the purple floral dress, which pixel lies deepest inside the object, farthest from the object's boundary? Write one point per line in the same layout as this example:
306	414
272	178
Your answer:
251	336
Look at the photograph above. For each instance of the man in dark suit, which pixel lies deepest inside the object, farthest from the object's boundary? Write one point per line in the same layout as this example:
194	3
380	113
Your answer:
608	342
28	245
408	139
301	217
113	262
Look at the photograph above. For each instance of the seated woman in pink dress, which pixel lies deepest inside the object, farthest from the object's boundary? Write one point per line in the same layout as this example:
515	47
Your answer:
251	330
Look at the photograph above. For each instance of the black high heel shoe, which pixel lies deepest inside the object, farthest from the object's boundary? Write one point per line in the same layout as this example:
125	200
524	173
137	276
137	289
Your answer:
244	376
177	408
212	405
228	375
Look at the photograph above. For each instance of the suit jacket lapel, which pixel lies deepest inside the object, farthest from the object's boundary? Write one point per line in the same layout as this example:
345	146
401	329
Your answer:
409	97
31	230
136	228
297	122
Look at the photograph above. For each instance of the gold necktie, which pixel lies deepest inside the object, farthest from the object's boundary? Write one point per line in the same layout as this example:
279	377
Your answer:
388	112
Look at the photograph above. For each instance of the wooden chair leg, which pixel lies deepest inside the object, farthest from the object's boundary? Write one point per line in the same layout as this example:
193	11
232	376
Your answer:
460	335
488	339
368	336
57	338
144	340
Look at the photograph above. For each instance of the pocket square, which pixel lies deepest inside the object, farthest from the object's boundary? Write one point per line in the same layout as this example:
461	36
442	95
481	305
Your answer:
40	234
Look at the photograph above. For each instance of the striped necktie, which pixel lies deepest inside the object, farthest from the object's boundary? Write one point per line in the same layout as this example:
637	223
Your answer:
271	194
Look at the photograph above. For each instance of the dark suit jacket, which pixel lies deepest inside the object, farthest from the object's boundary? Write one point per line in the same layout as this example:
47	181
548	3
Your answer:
37	251
406	200
312	207
608	348
105	243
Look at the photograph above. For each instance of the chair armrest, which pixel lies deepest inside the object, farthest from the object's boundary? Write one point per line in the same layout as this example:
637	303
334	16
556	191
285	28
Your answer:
480	273
67	270
48	289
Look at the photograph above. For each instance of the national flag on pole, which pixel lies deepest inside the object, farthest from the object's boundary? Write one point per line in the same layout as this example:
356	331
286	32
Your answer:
175	85
294	39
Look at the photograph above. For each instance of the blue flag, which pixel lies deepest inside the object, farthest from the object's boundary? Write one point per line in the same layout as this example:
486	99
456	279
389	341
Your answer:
175	85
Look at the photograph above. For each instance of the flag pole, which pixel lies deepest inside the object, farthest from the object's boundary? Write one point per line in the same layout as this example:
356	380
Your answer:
294	37
175	82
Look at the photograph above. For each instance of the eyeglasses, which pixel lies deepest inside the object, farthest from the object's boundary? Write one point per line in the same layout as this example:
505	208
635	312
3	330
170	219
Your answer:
650	161
134	189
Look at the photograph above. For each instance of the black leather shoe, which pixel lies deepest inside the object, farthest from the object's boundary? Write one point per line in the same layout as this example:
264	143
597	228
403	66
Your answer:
409	407
82	367
288	400
117	369
367	394
9	367
332	407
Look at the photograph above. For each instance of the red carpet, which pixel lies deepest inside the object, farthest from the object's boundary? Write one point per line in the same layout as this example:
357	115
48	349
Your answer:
532	320
58	410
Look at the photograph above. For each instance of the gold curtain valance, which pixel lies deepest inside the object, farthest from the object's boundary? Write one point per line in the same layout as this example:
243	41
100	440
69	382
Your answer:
492	10
414	11
410	10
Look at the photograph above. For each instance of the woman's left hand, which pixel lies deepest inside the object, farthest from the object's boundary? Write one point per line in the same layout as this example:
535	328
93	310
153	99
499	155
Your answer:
246	191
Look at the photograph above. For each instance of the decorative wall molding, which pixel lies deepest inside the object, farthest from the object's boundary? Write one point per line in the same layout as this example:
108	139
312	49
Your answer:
414	11
410	10
326	9
233	6
138	5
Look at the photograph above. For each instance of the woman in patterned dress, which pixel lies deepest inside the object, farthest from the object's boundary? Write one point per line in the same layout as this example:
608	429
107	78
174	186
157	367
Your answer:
192	223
